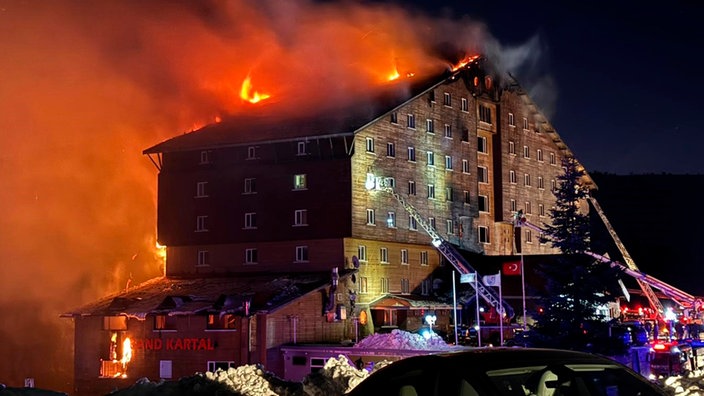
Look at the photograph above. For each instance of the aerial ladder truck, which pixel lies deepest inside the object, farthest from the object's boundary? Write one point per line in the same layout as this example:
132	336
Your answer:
444	247
646	282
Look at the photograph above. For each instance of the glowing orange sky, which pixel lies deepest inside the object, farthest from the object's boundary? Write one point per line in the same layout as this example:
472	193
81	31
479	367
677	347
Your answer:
86	86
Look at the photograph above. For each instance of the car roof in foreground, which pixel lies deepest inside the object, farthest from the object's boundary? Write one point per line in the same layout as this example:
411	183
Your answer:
503	356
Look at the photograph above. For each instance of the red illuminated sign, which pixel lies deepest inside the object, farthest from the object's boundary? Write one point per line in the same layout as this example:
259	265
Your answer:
174	344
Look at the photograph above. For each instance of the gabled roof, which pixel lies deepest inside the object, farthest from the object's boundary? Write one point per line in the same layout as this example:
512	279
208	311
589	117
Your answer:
188	296
409	301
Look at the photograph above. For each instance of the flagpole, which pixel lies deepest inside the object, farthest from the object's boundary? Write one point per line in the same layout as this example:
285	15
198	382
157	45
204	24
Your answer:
523	287
476	297
454	304
501	314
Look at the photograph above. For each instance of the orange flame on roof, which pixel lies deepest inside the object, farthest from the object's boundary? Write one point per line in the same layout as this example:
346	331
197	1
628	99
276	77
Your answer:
248	94
464	62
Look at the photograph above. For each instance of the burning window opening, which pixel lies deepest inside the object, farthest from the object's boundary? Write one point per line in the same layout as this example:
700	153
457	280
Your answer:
114	367
247	92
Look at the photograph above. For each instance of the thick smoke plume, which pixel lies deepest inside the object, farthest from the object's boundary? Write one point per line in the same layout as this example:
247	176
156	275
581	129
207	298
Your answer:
87	85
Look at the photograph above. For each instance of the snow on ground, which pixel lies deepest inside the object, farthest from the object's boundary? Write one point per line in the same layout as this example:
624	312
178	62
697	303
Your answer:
336	378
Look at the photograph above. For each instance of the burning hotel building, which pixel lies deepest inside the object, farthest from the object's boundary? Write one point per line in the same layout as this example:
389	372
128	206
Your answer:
273	237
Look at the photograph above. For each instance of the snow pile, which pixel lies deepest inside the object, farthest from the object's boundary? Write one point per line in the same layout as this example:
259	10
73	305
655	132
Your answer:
399	339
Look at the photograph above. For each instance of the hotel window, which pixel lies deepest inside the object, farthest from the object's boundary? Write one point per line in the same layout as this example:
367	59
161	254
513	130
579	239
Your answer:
362	285
431	222
425	287
250	220
411	119
514	207
384	255
424	257
541	210
529	208
165	322
512	177
449	194
221	322
465	135
483	234
526	152
411	187
404	256
431	158
114	323
384	285
481	144
482	174
448	131
390	150
539	155
200	189
362	253
553	160
302	148
201	223
447	99
553	185
467	196
412	225
529	236
525	123
250	256
511	120
250	185
370	145
430	126
370	217
391	219
541	183
405	286
300	182
412	154
485	114
205	157
394	118
448	162
483	203
301	254
214	366
203	258
431	96
512	148
300	217
526	180
390	182
251	152
450	229
431	191
464	105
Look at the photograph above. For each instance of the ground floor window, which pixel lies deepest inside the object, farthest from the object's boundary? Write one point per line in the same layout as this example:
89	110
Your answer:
213	366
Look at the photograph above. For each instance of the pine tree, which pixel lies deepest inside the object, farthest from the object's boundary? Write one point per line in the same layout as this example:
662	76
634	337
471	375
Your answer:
578	284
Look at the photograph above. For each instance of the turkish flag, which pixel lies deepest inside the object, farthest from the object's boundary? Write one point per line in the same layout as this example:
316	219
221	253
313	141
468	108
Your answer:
512	268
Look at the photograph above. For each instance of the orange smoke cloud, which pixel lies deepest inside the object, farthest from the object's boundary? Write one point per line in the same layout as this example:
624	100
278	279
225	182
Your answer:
86	86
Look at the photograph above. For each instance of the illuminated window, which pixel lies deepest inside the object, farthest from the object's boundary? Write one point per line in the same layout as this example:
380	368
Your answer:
465	166
250	220
300	182
467	196
448	162
114	323
481	144
201	223
449	194
483	234
411	120
512	148
464	105
404	256
250	186
205	157
251	256
488	82
431	158
370	217
526	180
251	152
164	322
393	118
539	155
411	187
485	114
450	227
203	258
200	189
362	253
302	148
370	145
512	177
213	366
384	255
412	224
447	99
482	174
412	154
301	254
166	369
390	150
391	219
424	257
431	191
511	120
300	217
483	203
430	126
405	286
221	322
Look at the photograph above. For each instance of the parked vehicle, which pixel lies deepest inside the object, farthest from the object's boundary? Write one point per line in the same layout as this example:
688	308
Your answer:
506	371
